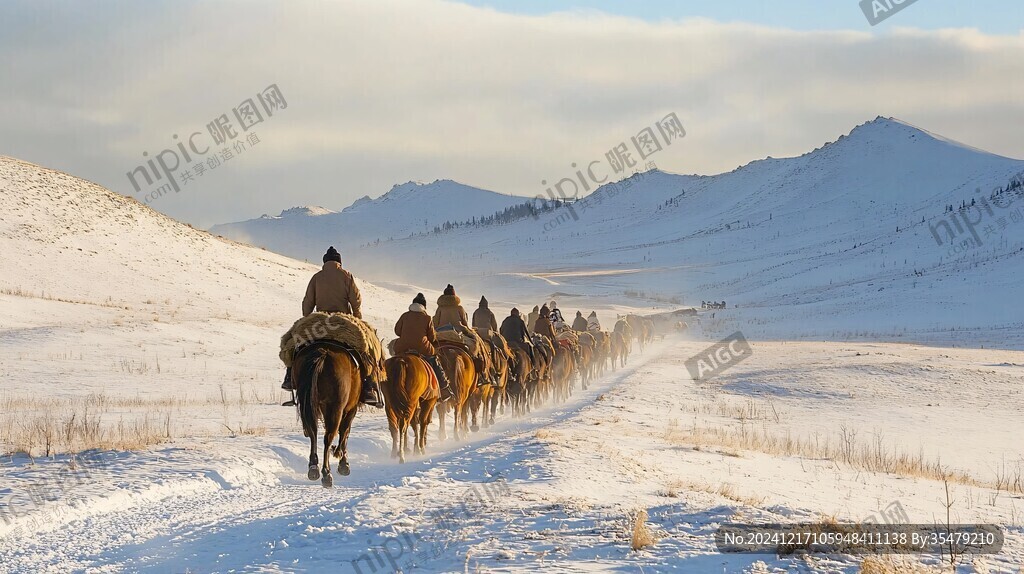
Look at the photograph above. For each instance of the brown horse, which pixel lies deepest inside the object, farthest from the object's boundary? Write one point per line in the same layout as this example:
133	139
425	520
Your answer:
543	355
328	383
404	392
620	349
461	371
562	370
488	396
520	373
602	352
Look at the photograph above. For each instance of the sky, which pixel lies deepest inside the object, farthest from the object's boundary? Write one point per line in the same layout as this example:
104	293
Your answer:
502	95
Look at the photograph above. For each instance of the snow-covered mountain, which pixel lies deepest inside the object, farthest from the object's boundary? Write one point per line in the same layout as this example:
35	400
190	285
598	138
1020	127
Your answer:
412	207
855	236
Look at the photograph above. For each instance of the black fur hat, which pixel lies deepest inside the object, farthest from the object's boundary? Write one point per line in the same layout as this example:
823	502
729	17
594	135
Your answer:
419	298
449	290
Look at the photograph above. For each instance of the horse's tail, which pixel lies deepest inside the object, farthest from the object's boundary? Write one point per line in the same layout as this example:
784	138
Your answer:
307	402
397	370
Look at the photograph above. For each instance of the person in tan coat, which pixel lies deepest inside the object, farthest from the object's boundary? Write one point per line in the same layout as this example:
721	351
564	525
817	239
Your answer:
334	290
544	326
416	334
450	311
483	317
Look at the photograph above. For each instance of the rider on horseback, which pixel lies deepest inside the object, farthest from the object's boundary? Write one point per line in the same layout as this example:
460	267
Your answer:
334	290
579	323
592	323
544	326
483	317
513	328
416	335
556	316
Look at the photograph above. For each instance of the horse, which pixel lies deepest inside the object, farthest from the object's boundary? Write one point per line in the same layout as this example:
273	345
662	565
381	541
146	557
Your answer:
622	327
488	396
499	388
602	352
405	390
637	330
461	370
520	372
563	368
619	350
587	348
543	355
329	384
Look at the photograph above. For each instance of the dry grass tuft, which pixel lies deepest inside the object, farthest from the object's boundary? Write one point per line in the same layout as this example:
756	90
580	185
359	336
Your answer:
891	565
642	536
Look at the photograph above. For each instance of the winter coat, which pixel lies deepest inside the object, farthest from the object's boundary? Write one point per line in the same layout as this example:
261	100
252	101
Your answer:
579	323
514	330
415	332
483	318
450	312
332	290
592	323
531	319
544	327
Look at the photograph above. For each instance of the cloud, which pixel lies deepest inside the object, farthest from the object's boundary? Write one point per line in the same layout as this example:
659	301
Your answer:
384	92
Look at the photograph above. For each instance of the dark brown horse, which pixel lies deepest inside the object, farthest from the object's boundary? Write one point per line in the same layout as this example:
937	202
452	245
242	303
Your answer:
461	371
408	401
520	374
328	383
563	368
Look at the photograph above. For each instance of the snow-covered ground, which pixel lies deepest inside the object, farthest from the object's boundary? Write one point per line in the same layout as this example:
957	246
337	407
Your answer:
158	341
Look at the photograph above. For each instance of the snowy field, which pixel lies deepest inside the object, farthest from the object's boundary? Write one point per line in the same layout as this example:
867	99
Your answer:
141	427
558	490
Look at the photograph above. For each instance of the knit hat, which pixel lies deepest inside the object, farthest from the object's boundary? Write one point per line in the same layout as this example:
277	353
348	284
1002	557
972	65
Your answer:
515	312
544	311
449	290
332	255
579	313
419	298
483	301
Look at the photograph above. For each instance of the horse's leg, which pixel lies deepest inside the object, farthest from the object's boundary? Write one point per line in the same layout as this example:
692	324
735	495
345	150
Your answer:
346	427
475	399
314	462
403	448
394	428
332	419
441	408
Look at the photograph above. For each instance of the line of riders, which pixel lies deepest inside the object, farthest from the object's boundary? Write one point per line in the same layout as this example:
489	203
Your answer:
475	364
333	290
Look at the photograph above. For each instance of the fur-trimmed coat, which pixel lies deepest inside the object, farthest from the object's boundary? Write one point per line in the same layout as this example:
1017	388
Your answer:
450	312
415	332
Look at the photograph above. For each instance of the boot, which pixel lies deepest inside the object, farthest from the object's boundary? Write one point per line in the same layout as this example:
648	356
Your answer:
371	394
442	378
287	385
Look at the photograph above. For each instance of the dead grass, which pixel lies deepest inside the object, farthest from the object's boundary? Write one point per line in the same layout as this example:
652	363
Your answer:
846	447
37	426
642	536
725	490
895	565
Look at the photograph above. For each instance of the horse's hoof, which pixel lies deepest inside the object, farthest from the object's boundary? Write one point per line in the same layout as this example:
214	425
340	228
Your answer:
314	473
327	481
344	469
